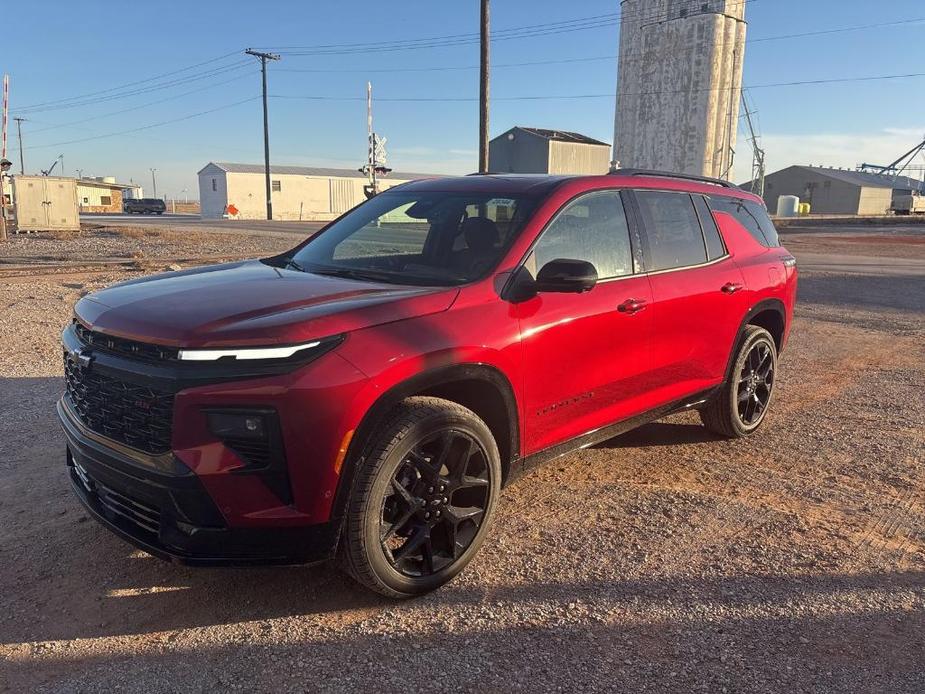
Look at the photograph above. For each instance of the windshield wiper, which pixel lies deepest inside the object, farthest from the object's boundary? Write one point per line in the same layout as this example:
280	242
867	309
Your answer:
356	274
294	264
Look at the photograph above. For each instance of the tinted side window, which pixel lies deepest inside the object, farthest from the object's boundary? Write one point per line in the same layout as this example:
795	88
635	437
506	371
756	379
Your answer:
591	228
673	230
715	247
750	215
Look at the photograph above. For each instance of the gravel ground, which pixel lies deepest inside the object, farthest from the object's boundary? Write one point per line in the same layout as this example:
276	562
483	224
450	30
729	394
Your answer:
661	561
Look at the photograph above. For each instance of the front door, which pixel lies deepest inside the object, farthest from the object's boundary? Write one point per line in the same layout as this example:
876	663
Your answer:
586	356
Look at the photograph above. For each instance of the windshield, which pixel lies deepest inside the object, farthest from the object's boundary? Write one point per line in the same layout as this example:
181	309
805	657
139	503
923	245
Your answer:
417	238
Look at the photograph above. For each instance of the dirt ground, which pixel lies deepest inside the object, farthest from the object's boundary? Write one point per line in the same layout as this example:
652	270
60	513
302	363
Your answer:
664	560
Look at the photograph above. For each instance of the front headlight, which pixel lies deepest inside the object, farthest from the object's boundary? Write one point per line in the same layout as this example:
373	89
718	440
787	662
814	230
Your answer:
305	351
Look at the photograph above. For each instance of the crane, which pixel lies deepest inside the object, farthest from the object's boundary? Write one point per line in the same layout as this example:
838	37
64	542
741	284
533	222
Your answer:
898	166
51	168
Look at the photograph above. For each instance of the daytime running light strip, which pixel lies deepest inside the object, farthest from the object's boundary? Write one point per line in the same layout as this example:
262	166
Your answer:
251	353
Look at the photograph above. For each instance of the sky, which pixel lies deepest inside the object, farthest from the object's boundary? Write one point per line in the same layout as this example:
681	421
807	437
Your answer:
69	64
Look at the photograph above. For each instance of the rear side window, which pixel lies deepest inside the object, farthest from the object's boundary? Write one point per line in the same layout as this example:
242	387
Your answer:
750	215
591	228
673	230
715	247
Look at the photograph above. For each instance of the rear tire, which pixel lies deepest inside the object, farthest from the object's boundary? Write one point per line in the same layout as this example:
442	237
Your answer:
742	403
425	493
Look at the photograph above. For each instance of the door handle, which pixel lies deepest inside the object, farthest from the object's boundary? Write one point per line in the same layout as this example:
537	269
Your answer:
631	306
730	288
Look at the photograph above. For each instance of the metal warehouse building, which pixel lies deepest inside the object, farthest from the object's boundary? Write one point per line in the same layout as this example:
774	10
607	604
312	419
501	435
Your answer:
540	151
838	191
299	192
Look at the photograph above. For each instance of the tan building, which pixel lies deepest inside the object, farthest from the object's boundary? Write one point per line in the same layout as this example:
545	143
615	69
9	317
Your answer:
837	191
103	194
542	151
298	192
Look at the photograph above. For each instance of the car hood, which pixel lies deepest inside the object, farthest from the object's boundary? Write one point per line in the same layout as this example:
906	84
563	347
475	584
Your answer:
251	303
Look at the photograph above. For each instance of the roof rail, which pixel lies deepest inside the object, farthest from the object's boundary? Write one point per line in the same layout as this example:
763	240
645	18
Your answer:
669	174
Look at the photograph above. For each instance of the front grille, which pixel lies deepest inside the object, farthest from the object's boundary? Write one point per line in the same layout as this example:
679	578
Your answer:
138	416
253	452
127	348
144	516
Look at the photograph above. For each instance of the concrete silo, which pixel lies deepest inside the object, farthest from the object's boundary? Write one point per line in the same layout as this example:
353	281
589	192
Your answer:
679	85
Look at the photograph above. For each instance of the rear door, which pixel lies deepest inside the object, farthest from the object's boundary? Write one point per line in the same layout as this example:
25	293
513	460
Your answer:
586	356
697	290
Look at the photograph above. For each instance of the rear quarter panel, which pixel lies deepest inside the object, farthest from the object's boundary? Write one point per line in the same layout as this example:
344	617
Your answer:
763	269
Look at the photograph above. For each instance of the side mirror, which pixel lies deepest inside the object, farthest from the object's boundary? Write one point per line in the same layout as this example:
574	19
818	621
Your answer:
566	276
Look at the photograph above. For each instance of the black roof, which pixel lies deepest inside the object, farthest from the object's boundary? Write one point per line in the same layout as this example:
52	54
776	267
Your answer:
861	179
558	135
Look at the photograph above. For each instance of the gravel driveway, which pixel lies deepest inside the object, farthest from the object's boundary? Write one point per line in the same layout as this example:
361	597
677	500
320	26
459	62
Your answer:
661	561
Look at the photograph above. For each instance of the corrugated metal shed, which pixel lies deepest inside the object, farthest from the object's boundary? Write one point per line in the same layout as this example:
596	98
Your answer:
546	151
838	191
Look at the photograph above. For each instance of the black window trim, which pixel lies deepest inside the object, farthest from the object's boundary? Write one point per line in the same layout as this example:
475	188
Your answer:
767	243
647	253
722	241
632	223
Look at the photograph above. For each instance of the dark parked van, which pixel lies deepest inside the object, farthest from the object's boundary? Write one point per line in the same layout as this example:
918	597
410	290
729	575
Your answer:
144	206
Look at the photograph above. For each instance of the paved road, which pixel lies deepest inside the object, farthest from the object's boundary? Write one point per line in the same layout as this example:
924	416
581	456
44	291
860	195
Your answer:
860	264
197	222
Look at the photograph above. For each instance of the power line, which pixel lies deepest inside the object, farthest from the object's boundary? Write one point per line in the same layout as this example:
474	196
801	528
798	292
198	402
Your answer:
530	31
454	68
55	126
234	67
608	95
841	30
129	84
149	126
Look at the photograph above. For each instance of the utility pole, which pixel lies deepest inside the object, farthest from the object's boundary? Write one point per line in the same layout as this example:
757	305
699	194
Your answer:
264	57
22	166
154	181
483	87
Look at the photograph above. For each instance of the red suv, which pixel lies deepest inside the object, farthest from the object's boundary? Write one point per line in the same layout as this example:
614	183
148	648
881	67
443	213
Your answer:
368	393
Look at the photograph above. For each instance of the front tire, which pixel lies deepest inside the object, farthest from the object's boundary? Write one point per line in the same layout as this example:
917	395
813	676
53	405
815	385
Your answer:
740	406
424	497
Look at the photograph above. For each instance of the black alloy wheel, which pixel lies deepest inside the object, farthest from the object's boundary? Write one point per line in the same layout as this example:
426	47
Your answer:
427	484
741	404
756	381
436	503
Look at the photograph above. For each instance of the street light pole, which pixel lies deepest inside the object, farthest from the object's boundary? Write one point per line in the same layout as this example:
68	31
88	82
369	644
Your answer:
264	57
154	181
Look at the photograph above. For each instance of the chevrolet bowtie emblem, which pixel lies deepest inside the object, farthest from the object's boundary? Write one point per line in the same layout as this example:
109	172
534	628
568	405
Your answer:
84	358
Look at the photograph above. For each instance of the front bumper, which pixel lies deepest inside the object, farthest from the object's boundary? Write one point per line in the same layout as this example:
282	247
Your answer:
169	514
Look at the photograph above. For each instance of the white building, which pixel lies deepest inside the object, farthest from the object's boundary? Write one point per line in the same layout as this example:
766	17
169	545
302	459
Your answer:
299	192
103	194
679	85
